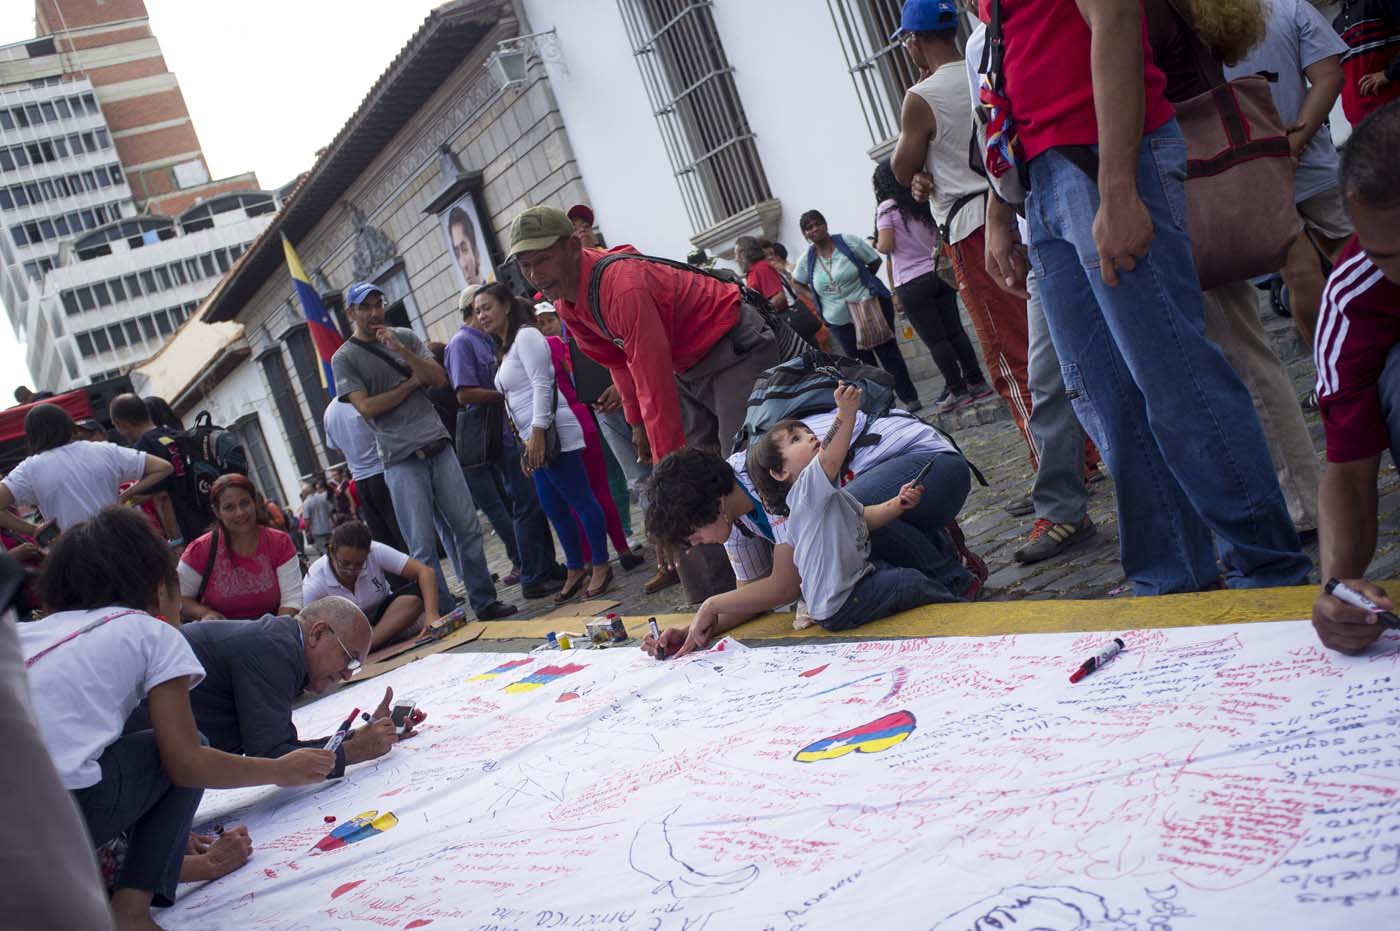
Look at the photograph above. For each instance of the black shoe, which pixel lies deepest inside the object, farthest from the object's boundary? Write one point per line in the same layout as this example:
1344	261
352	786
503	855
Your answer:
495	611
538	589
557	574
629	561
1021	506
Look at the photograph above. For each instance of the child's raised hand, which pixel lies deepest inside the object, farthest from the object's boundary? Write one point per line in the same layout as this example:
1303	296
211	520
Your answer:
910	496
847	398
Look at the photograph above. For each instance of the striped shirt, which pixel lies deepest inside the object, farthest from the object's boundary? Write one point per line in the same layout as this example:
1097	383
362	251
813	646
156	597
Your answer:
1358	326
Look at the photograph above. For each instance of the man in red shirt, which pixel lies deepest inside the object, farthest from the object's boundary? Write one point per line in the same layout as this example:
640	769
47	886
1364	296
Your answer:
758	274
683	350
1357	352
1371	30
1107	214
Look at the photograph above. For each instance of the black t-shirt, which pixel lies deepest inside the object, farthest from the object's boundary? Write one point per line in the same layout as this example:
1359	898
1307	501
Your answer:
191	513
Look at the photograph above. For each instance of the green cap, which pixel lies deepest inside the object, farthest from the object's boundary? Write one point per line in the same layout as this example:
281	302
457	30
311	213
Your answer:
538	228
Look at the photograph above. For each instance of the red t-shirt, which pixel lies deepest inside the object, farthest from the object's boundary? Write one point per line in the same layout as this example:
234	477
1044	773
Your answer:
667	320
1048	79
763	279
242	587
1358	326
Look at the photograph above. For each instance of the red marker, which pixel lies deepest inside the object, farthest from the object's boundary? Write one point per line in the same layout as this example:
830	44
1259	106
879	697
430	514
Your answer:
1097	662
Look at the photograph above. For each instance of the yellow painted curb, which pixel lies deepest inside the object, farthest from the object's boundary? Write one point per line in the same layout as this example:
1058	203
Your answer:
992	618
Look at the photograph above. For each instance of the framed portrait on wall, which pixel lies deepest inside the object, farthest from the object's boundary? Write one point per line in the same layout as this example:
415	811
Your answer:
466	242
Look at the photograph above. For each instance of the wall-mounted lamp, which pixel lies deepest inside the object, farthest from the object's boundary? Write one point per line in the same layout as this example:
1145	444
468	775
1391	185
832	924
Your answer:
508	62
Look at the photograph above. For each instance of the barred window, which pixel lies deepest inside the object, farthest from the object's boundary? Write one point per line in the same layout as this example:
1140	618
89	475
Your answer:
880	69
690	85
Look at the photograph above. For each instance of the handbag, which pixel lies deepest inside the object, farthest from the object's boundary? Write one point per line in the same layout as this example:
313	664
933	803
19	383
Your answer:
1239	173
478	440
872	329
552	447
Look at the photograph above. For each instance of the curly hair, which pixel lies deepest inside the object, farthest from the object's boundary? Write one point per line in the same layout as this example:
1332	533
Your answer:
887	187
1229	28
766	457
685	491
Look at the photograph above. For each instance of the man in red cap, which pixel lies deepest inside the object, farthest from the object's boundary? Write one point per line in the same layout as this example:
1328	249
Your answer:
581	216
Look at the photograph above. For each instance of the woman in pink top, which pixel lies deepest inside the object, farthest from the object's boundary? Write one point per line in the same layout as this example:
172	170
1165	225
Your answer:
594	463
242	568
906	234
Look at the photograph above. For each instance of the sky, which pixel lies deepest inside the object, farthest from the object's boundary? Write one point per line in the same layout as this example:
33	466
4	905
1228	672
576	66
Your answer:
267	83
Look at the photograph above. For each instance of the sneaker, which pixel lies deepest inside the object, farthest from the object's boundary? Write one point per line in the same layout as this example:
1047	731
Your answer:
1021	506
1049	539
979	390
953	401
495	611
943	396
914	406
1310	402
512	579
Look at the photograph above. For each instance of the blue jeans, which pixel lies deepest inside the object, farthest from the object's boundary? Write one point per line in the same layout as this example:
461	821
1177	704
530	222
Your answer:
564	485
886	355
1169	415
888	590
919	539
617	432
507	497
431	494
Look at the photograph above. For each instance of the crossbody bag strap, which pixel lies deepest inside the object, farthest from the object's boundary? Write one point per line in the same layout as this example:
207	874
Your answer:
88	628
208	572
946	228
872	282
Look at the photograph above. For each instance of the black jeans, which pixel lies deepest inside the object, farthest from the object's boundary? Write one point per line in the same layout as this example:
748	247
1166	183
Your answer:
378	511
886	355
135	796
932	308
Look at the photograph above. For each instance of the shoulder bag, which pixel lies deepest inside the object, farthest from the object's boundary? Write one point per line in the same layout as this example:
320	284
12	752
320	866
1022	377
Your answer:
1239	173
867	314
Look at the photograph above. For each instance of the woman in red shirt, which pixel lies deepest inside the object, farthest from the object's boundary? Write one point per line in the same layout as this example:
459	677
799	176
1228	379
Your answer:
241	568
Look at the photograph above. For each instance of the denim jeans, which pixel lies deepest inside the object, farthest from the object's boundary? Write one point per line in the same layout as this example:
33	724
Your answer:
135	796
918	539
888	590
564	491
1169	415
1058	490
431	494
886	355
507	497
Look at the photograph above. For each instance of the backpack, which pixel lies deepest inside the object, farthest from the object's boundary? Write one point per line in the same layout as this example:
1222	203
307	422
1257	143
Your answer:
996	148
214	451
803	387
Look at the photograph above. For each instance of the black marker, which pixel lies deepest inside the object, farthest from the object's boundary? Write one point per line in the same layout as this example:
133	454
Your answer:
1344	592
923	473
656	637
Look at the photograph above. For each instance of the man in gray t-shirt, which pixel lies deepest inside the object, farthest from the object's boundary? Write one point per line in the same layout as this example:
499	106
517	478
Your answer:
383	372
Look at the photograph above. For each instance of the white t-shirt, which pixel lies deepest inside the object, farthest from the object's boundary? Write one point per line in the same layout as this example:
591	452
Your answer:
525	377
74	482
86	688
946	93
371	588
830	540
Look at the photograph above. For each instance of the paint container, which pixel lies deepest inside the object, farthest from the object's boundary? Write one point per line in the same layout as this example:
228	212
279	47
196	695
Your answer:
553	640
599	632
563	641
618	629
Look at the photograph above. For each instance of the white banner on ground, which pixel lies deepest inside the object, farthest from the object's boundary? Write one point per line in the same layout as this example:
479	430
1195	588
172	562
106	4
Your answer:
1228	777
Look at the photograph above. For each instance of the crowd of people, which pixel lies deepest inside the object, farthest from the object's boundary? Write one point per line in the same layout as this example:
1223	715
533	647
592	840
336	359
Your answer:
765	423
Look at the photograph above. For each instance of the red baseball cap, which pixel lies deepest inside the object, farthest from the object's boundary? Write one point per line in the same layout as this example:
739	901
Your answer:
581	212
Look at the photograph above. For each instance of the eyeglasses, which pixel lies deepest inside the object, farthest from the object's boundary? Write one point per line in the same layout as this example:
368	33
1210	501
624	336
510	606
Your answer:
352	665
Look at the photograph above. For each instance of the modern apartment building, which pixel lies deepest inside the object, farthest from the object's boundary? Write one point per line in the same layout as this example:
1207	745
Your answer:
111	230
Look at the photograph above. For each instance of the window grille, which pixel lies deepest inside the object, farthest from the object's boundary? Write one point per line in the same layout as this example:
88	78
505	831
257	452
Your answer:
880	70
690	85
289	411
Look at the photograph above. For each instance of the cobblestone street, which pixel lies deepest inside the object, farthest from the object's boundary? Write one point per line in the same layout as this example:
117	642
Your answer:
988	436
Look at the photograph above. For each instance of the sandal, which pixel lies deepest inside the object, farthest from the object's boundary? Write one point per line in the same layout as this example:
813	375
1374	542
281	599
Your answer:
607	584
570	592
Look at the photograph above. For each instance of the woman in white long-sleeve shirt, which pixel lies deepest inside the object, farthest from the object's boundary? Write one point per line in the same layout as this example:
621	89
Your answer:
526	377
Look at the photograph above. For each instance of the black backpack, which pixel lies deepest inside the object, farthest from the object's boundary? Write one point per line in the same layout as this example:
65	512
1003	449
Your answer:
213	451
803	387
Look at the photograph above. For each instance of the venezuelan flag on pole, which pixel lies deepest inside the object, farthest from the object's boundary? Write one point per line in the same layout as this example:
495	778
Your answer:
323	332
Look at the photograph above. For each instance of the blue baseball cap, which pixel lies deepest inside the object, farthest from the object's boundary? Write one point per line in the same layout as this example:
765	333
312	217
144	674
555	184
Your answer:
357	292
926	16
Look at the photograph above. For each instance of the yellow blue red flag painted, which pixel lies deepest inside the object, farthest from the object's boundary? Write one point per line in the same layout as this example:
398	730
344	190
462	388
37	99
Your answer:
324	335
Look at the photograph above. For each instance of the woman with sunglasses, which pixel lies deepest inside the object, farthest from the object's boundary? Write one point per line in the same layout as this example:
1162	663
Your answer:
102	648
356	567
242	568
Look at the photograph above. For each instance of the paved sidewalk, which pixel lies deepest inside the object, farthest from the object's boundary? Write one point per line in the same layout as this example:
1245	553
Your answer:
990	440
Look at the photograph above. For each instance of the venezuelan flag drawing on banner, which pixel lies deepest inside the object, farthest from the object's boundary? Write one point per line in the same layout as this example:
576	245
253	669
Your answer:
324	335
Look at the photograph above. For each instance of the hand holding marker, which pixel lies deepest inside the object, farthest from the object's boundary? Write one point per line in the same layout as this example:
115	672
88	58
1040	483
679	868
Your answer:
1099	661
1344	592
